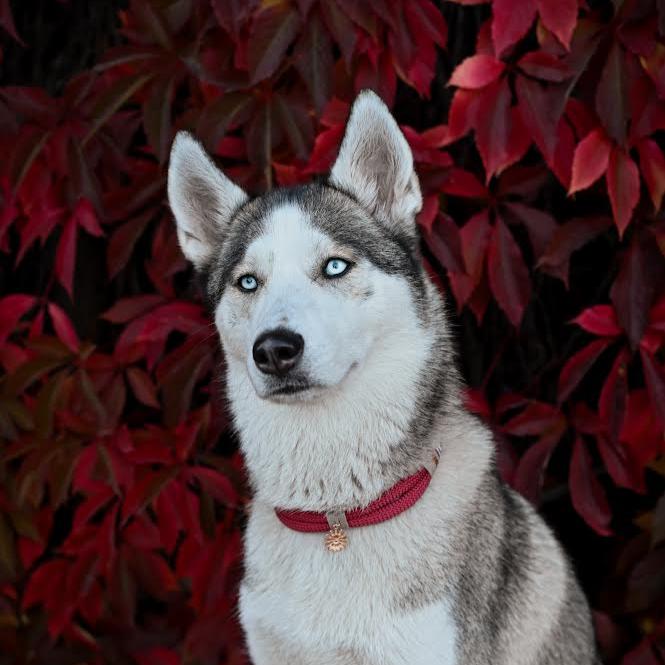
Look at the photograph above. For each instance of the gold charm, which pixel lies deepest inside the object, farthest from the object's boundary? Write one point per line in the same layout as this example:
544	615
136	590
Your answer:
336	540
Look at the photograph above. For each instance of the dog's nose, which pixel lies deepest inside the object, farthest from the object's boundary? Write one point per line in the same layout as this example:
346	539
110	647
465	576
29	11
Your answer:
278	351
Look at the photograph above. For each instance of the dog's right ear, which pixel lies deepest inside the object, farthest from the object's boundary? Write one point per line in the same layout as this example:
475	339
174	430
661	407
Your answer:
202	199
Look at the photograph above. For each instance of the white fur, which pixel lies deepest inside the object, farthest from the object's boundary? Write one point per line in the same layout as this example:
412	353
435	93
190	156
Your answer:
326	604
201	196
375	164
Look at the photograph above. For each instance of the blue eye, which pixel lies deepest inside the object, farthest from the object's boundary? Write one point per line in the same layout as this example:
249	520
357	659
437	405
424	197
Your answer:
248	283
335	267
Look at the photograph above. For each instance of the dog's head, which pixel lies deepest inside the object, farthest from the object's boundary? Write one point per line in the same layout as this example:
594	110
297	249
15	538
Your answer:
314	285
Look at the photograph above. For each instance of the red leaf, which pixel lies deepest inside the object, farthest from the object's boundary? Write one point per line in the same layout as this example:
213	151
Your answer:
655	68
587	494
475	401
620	464
7	20
326	145
142	386
511	22
540	225
157	115
530	471
380	77
655	380
508	276
314	60
360	13
477	72
142	533
160	655
85	216
612	402
623	184
542	65
464	113
559	17
641	270
459	182
500	133
568	238
127	309
577	366
599	320
425	18
542	106
537	418
475	237
63	327
12	308
641	431
65	256
592	157
273	29
652	162
123	240
612	95
216	484
444	241
341	29
562	163
231	14
145	489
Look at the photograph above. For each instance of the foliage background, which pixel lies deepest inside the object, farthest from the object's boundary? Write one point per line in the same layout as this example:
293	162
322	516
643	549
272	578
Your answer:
537	128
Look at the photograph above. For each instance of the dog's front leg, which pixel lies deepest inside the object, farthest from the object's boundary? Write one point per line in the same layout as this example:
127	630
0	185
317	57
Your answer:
266	648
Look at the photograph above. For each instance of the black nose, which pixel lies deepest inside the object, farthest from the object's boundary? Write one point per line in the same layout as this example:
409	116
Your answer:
278	351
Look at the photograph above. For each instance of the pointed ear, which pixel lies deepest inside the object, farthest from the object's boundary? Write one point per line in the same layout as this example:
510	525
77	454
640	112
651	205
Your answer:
202	199
375	165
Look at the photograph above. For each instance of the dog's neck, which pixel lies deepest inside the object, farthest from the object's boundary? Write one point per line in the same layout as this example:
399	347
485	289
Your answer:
343	450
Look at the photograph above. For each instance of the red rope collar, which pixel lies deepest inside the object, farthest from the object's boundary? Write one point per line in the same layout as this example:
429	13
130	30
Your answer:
391	503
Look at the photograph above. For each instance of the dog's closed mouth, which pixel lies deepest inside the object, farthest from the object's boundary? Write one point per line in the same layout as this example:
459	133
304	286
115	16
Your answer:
291	389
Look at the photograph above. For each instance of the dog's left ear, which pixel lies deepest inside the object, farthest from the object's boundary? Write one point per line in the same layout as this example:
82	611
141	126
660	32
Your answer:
375	165
202	199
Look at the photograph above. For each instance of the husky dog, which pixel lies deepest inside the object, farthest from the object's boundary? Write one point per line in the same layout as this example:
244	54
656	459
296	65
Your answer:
342	382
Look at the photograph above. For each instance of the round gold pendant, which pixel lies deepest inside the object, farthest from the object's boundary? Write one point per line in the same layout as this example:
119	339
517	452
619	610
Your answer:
336	540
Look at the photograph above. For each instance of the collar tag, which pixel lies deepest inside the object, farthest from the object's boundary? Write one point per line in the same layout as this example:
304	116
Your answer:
336	539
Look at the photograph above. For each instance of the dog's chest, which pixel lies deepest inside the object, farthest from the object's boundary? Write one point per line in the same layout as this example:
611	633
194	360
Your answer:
348	602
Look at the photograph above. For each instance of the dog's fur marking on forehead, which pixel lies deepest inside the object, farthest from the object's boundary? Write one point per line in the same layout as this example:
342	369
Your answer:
327	208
